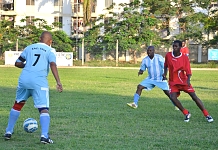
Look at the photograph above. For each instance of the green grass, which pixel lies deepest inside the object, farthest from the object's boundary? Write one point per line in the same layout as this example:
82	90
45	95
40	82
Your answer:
110	63
91	113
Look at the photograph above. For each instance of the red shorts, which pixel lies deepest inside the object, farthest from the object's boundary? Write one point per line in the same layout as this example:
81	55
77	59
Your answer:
177	88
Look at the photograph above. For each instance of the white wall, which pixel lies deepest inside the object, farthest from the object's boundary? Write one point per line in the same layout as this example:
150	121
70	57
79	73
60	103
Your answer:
46	10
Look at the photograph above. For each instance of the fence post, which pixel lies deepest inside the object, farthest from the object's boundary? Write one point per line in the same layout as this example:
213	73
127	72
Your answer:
82	52
199	53
117	54
17	45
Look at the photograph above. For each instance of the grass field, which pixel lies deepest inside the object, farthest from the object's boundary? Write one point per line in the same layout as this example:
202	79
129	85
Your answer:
91	113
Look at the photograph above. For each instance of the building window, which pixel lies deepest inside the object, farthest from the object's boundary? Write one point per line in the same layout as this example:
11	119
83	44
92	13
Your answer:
7	5
93	7
30	2
78	25
108	3
29	20
58	20
58	2
76	6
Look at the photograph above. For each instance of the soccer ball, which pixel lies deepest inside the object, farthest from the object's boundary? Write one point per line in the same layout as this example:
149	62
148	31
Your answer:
30	125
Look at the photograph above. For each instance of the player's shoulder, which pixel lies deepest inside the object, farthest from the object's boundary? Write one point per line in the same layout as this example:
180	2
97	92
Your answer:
146	57
169	54
53	50
158	55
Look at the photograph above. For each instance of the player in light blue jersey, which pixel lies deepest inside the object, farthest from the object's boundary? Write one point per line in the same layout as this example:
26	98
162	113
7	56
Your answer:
36	60
154	63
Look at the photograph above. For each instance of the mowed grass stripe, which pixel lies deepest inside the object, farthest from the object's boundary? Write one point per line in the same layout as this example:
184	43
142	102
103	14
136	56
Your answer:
92	113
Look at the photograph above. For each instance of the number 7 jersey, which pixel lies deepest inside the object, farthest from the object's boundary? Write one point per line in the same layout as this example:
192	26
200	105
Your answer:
37	58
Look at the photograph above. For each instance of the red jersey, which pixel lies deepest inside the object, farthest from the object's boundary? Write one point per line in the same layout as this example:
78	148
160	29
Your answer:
184	50
179	68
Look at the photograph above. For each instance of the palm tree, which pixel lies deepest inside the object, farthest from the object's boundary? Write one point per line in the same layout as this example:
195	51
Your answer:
87	11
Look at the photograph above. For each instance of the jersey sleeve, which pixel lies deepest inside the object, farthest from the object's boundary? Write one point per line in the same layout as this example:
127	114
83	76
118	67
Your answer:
52	56
23	56
187	66
161	61
166	60
143	65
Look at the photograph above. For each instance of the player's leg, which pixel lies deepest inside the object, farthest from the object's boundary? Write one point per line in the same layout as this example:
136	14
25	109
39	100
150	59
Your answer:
174	93
21	96
200	104
145	84
138	93
175	101
165	87
186	113
167	93
136	97
41	101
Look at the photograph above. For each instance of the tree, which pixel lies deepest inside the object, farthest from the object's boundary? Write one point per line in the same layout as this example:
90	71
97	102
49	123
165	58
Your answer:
30	34
87	10
140	23
131	28
8	35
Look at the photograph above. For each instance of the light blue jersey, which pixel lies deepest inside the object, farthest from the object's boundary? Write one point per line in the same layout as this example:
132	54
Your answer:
33	79
38	57
154	67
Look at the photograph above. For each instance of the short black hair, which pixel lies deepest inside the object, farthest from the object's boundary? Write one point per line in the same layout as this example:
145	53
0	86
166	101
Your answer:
150	47
178	41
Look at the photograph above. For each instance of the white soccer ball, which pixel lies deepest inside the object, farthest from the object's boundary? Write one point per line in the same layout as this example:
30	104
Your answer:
30	125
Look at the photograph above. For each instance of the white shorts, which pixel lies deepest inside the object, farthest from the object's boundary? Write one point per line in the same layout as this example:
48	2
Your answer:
150	84
40	96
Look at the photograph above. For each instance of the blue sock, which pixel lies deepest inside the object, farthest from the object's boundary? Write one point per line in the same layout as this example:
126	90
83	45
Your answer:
136	98
45	122
14	115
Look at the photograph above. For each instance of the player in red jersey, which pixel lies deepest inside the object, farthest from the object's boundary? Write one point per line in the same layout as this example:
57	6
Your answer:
179	79
184	49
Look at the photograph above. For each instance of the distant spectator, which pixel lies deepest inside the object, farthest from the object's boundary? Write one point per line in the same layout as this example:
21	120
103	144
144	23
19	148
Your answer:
184	49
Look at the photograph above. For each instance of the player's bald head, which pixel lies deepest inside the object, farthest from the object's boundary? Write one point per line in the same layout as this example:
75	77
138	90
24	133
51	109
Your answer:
46	38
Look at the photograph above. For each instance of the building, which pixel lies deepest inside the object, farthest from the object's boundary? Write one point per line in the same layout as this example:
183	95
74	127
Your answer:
67	12
98	8
49	10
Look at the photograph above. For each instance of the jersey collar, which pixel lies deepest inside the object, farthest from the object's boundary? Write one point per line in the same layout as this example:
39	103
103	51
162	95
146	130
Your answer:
176	56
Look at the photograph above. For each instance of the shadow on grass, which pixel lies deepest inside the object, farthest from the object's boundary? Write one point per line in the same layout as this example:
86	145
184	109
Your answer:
205	88
91	120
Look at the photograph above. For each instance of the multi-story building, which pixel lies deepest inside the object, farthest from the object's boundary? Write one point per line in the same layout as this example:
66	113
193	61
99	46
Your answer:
98	8
49	10
67	12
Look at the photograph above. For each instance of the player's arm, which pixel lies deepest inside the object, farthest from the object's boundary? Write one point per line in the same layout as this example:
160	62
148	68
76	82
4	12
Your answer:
165	68
165	73
20	62
143	67
188	70
140	72
188	79
161	61
56	76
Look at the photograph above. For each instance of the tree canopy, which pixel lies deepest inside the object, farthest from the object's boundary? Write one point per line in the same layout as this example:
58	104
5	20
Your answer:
142	22
29	34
